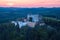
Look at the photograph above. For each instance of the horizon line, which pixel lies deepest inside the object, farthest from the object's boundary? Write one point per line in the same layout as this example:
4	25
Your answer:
29	7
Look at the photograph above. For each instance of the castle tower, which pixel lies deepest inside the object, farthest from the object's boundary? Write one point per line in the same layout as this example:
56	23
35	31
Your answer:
33	18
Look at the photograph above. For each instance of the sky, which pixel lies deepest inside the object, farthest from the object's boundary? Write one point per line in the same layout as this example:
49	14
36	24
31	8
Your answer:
29	3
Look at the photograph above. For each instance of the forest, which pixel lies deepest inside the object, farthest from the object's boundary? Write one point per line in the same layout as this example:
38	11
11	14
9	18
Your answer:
9	31
50	31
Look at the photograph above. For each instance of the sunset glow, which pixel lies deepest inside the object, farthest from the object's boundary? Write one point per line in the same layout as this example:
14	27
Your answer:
29	3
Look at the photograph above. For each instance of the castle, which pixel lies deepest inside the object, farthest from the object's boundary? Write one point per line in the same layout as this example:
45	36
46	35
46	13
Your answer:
30	21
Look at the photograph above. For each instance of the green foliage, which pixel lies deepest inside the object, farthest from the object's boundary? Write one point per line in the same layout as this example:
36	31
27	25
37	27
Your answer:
55	23
10	32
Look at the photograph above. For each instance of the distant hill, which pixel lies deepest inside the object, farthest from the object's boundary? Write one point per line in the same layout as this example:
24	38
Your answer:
14	13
